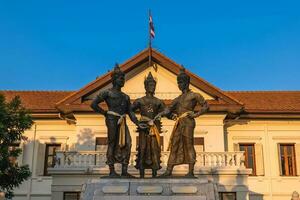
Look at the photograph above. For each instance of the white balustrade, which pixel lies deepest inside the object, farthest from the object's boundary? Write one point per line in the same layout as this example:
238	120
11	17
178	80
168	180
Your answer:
94	159
161	95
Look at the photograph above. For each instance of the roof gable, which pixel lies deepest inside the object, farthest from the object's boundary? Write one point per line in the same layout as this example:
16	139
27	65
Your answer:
75	100
166	87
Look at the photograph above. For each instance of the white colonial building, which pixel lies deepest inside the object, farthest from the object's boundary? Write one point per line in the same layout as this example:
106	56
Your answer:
248	142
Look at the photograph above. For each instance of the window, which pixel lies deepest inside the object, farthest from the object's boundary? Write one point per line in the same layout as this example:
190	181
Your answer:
71	195
249	156
227	196
50	156
101	144
199	144
287	159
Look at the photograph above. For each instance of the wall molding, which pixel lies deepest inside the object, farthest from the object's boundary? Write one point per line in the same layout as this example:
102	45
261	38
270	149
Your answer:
286	137
201	132
246	138
53	138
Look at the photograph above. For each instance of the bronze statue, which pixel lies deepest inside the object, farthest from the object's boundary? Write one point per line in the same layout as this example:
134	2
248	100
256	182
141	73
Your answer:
119	140
181	144
149	147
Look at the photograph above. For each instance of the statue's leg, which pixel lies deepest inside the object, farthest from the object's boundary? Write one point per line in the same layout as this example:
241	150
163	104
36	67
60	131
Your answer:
168	172
154	173
142	173
111	133
127	151
142	148
190	154
112	172
125	173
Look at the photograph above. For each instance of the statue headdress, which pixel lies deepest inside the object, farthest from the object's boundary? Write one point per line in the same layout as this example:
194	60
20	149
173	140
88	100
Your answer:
149	79
117	72
182	75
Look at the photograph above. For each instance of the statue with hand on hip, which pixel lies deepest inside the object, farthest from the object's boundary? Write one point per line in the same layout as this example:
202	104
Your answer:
119	140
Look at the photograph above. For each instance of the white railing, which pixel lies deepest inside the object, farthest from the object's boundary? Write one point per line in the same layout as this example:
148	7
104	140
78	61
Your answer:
161	95
96	159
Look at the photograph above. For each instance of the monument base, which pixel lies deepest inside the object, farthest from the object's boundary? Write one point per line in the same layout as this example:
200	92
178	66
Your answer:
140	189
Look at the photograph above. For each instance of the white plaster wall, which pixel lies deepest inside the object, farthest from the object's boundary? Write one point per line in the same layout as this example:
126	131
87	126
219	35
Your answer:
81	136
43	131
269	134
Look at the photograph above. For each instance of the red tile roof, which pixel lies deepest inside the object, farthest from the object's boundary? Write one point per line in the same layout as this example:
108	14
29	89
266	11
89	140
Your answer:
38	101
254	101
268	101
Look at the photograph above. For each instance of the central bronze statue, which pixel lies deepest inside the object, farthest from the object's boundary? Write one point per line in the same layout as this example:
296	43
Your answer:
181	143
149	144
119	140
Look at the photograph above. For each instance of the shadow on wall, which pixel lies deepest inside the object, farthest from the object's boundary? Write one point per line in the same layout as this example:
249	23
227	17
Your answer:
85	140
229	123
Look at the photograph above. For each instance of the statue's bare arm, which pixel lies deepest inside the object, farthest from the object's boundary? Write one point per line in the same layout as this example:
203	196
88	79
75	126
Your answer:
99	98
203	104
135	105
130	112
169	111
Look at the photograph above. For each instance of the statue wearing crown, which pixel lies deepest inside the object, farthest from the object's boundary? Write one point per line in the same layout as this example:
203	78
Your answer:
149	144
182	109
119	140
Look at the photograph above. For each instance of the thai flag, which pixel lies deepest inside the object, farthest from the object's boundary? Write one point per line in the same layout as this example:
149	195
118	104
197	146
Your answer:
151	25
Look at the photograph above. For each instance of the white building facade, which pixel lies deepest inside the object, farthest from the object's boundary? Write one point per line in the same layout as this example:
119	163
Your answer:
248	143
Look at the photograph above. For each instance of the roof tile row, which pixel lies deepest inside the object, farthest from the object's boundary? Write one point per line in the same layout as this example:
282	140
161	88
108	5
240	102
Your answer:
254	101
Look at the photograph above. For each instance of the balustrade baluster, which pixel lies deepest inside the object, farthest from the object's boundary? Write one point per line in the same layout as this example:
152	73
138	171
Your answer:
238	160
233	160
80	160
88	159
214	160
75	160
85	160
223	160
208	160
218	161
228	160
97	157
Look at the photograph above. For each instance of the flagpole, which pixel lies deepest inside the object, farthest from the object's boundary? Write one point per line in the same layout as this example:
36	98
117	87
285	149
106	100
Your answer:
150	39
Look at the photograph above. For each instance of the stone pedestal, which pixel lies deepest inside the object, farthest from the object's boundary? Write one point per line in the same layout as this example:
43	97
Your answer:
142	189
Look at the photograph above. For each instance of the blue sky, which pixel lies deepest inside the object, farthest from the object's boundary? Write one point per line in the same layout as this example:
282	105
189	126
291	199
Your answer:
235	45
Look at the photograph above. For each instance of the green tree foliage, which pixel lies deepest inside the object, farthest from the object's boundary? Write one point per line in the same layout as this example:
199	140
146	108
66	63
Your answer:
14	120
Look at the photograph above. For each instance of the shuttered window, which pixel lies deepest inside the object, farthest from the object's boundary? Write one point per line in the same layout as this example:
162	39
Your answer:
287	159
199	144
50	156
227	196
71	195
249	152
101	144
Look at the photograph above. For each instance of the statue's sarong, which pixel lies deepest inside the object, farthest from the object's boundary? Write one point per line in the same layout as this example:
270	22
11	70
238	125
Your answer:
181	144
119	140
148	156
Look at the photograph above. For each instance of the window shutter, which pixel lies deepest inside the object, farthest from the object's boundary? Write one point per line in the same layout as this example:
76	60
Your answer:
199	144
236	147
297	152
279	159
259	159
20	157
40	159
